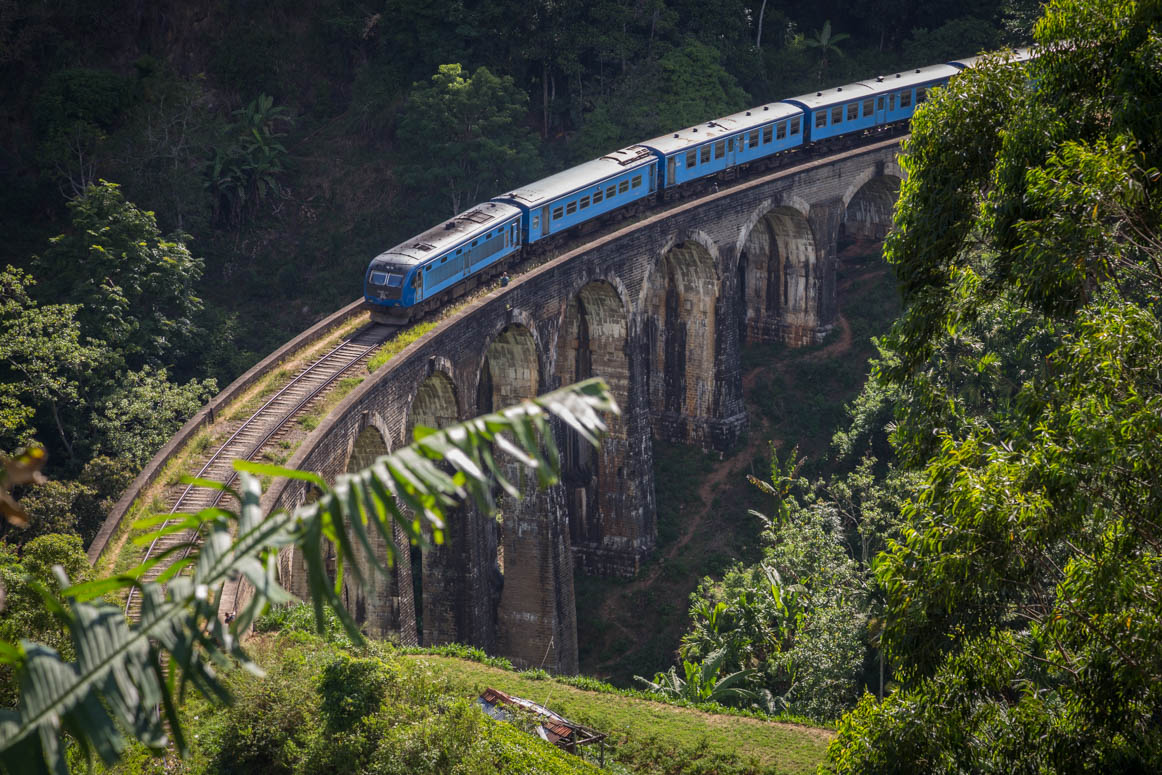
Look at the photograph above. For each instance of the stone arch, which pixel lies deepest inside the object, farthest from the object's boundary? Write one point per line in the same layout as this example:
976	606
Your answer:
441	571
510	370
777	281
593	342
434	406
869	202
530	575
388	608
681	298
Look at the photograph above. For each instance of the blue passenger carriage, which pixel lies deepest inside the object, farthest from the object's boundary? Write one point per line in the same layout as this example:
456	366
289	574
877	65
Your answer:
720	145
858	107
417	271
584	192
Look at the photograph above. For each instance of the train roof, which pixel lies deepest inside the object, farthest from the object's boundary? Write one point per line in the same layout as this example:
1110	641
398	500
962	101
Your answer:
882	83
438	239
743	121
1023	54
587	174
835	96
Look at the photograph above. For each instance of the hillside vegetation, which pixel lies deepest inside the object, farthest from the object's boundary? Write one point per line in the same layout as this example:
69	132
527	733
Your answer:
326	706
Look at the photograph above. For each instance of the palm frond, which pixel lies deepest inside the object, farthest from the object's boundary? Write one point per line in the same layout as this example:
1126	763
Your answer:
117	682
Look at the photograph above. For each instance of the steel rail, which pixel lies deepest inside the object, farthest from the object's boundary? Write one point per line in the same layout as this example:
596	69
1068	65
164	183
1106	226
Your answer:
255	448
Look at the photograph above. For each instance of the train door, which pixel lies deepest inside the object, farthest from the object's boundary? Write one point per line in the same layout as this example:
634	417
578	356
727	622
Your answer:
671	170
653	175
544	221
731	150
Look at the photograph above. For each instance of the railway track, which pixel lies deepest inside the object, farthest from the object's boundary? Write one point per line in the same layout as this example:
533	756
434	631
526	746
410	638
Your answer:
266	426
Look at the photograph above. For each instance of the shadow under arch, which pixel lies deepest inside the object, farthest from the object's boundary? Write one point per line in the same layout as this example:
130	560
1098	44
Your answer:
388	607
868	214
593	342
680	316
776	278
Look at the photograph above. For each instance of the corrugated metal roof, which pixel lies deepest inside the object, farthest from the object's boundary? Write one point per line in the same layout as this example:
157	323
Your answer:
464	227
742	121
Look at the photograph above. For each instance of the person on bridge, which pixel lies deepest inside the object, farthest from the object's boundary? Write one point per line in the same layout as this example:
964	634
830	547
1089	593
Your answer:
504	280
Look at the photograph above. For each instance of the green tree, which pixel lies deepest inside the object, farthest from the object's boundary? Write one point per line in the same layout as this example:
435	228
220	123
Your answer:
143	412
827	45
44	362
118	678
795	620
463	137
135	288
1021	613
683	87
74	112
26	575
249	160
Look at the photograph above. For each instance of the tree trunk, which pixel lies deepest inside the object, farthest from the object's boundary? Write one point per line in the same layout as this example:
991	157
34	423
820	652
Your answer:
544	99
758	43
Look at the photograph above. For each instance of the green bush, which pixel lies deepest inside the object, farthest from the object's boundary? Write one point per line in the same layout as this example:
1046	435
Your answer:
351	689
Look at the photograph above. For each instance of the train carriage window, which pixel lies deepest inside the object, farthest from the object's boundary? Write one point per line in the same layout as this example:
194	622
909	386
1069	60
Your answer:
891	102
921	94
906	99
781	130
704	154
852	111
637	181
880	103
795	125
691	158
820	118
623	186
837	114
378	278
868	106
754	138
558	213
768	133
719	149
611	192
571	208
598	195
584	202
536	223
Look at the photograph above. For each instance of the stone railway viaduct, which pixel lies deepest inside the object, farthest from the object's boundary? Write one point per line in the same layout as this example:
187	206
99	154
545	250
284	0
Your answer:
660	309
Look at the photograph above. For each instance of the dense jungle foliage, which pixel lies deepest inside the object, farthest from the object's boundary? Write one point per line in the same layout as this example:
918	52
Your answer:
975	589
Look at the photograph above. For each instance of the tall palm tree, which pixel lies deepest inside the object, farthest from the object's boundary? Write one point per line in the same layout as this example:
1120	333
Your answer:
826	43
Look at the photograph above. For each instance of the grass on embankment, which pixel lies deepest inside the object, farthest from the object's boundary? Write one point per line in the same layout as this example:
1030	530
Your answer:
652	737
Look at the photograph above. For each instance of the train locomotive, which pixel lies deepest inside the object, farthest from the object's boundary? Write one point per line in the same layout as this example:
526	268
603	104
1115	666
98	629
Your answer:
457	255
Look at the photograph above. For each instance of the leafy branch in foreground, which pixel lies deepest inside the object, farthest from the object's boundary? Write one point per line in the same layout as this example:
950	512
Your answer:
120	677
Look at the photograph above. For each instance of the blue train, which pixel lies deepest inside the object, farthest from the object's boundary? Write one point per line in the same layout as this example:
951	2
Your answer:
457	255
